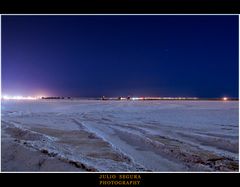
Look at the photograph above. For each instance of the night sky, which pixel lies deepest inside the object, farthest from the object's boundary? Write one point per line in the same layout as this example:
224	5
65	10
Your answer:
91	56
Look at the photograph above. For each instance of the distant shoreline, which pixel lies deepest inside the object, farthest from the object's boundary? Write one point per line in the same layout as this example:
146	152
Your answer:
103	98
139	99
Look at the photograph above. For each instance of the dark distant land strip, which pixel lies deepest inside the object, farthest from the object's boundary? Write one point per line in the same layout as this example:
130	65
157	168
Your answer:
146	98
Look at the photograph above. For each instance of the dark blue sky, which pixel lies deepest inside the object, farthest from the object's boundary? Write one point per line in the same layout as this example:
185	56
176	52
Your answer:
120	55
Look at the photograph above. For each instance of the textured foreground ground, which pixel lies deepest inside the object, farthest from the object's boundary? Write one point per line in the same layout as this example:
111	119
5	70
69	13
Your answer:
82	135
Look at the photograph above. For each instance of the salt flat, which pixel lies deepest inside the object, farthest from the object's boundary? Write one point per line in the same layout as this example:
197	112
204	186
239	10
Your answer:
91	135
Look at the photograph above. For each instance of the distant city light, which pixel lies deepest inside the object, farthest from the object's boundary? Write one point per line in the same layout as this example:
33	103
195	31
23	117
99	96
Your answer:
164	98
135	98
225	99
7	97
